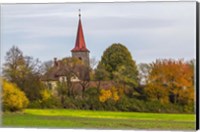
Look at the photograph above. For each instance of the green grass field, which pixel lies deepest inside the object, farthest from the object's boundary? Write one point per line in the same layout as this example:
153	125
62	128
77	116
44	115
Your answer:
62	118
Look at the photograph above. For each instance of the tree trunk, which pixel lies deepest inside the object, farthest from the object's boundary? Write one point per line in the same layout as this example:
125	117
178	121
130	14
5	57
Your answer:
98	86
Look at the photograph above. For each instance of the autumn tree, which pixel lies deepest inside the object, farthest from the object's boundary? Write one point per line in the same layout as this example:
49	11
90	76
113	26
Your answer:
171	81
23	71
118	63
14	61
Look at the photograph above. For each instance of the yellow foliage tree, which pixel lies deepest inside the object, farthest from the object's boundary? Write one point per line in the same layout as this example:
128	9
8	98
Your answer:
13	98
111	93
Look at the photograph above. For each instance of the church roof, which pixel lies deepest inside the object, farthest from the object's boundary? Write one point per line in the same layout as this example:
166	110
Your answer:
80	41
62	68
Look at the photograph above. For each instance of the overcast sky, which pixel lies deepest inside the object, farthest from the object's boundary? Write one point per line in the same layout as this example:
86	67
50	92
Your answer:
149	30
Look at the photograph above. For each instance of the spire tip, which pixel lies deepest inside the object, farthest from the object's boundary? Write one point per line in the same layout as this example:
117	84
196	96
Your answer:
79	13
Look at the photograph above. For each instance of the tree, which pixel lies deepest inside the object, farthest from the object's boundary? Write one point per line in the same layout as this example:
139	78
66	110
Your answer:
13	98
125	76
83	73
118	62
46	66
24	71
14	61
171	79
62	91
157	92
100	75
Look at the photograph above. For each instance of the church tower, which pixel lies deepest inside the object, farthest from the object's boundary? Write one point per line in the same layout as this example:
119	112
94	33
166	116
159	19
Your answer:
80	51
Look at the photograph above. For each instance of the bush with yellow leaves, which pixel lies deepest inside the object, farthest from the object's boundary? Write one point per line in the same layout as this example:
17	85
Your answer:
111	93
48	100
13	98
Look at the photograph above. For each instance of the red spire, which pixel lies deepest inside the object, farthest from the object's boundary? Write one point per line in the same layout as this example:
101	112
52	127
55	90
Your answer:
80	42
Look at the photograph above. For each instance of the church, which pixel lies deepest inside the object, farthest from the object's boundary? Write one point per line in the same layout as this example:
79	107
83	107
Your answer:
59	70
80	50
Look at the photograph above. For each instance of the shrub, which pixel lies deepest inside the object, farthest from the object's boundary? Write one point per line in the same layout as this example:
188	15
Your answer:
70	103
92	99
48	100
35	104
13	98
130	104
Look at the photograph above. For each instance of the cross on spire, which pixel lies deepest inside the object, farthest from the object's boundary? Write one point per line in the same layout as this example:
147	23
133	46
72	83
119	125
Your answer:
79	13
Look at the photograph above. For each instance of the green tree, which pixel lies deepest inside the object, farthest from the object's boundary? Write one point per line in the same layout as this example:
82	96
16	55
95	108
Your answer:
121	68
100	75
124	76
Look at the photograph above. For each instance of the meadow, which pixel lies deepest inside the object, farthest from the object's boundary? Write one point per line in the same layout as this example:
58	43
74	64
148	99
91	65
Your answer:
63	118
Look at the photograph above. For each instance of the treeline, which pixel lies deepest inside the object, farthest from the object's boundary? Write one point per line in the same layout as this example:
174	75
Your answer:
165	85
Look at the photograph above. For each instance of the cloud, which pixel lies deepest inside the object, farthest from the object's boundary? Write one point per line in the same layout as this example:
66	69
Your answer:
149	30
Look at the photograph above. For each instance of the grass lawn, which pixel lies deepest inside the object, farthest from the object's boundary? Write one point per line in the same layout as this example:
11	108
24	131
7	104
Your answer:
61	118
